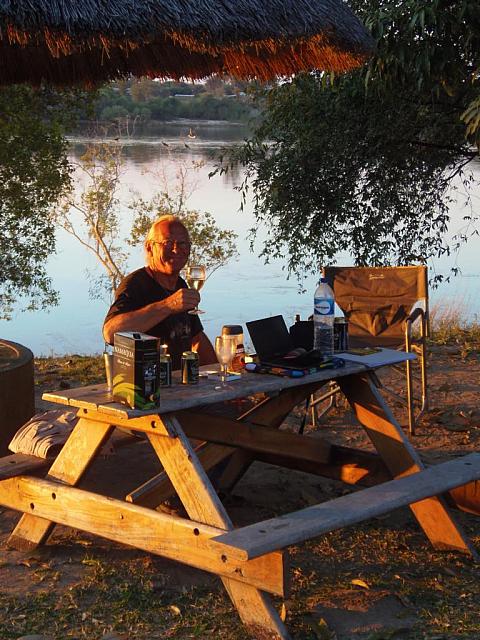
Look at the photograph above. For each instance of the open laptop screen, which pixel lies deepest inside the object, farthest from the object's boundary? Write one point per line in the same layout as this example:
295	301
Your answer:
270	336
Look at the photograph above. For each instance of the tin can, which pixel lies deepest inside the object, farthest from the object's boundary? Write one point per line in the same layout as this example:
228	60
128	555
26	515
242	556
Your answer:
165	367
340	334
189	367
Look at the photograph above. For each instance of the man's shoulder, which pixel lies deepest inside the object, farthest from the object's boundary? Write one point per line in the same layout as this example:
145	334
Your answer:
139	276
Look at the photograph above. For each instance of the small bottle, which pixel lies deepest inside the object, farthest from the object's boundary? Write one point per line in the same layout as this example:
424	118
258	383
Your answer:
165	367
323	319
238	361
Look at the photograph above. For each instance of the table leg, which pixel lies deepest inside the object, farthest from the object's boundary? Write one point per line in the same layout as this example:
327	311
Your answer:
202	504
401	459
77	454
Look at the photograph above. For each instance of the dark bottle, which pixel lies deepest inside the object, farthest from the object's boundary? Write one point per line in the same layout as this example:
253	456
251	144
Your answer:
165	367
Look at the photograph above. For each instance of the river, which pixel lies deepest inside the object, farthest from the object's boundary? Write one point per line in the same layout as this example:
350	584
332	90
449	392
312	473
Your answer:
245	289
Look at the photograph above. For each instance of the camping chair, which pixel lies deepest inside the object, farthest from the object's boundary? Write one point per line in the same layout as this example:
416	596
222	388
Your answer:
381	305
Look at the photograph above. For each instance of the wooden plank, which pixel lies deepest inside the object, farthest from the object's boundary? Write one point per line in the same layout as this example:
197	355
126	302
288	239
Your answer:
18	464
159	488
367	469
299	526
467	498
253	438
175	538
83	444
202	504
401	459
352	466
179	397
147	423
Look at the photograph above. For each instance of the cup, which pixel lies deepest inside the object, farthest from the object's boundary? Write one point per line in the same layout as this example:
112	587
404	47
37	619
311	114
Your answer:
108	358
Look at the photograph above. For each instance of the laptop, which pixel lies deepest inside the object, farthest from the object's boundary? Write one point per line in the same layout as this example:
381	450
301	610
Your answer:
272	342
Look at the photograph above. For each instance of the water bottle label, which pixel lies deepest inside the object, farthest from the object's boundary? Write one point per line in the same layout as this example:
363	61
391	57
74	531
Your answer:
324	306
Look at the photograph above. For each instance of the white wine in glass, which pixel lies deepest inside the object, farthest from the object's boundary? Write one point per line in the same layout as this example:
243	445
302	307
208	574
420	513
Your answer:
195	276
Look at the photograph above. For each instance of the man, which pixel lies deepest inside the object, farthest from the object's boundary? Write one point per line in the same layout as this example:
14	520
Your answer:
155	300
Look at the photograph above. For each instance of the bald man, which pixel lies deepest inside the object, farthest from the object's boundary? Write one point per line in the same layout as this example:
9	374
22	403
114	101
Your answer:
155	300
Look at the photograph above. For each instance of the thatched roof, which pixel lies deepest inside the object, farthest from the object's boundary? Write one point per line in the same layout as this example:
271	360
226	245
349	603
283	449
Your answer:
71	41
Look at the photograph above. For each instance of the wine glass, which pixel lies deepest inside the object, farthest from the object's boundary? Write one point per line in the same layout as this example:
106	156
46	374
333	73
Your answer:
195	276
225	348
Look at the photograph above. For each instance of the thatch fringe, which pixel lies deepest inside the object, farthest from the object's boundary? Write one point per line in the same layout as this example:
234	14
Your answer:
70	41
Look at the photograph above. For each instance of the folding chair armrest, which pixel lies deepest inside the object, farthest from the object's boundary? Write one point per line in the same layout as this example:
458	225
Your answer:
418	312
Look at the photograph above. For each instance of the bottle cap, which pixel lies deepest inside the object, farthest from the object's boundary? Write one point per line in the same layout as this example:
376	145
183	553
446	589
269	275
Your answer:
322	280
163	349
232	330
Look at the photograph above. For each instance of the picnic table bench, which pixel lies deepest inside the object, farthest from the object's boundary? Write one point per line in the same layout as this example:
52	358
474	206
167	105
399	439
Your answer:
252	560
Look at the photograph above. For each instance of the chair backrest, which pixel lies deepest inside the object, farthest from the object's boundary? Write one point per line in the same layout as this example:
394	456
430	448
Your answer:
377	300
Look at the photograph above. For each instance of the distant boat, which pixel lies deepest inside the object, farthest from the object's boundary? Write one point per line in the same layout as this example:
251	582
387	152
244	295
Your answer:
191	134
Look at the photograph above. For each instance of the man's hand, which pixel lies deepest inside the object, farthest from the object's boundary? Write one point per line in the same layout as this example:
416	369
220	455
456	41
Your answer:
182	300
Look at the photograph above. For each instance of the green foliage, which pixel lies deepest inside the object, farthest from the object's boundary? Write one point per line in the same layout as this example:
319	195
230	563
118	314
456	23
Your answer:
33	174
212	246
431	46
217	100
363	164
92	217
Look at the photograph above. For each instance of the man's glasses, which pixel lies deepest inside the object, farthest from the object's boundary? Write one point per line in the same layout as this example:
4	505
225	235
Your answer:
180	245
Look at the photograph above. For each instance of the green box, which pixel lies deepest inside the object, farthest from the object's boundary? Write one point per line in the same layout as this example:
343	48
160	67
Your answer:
136	380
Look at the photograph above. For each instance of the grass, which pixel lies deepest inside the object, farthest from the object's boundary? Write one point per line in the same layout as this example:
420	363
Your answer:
132	596
67	371
451	326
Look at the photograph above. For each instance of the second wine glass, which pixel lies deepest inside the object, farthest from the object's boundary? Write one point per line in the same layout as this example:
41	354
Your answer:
225	349
195	276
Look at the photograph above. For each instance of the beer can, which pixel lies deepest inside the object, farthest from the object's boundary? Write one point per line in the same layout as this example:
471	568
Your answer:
189	367
165	367
340	334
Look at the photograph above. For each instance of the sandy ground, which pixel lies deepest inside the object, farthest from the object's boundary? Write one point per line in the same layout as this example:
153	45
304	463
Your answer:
450	428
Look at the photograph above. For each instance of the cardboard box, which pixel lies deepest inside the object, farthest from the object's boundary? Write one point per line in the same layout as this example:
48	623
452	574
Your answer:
136	380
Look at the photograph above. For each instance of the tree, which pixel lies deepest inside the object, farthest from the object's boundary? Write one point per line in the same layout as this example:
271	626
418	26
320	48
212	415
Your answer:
364	163
212	246
433	46
34	172
93	217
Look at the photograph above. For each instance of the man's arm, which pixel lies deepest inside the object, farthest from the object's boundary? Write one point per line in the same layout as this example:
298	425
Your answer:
202	345
146	317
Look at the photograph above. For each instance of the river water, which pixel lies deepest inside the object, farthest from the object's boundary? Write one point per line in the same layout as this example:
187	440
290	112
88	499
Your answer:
245	289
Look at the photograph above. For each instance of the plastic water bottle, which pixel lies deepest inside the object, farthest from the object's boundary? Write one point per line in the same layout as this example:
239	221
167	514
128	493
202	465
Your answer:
323	319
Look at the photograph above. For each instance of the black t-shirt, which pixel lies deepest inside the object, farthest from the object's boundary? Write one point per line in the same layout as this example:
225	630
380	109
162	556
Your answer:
138	290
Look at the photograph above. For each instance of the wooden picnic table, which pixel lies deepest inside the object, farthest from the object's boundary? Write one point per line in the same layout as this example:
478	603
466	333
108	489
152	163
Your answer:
251	561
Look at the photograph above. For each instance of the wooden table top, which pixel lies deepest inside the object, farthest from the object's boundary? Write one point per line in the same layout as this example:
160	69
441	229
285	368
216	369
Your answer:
179	396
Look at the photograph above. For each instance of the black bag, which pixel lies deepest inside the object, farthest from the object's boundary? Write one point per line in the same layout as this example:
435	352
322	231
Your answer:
302	334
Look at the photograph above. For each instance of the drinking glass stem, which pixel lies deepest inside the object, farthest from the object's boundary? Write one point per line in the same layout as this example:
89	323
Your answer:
224	372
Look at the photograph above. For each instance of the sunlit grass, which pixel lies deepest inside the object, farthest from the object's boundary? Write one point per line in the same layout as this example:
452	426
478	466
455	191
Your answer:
453	325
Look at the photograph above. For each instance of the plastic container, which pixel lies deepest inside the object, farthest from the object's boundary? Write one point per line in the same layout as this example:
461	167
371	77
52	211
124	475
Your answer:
323	319
238	362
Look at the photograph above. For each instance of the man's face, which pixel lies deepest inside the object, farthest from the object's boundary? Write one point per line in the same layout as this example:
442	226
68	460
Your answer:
169	249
